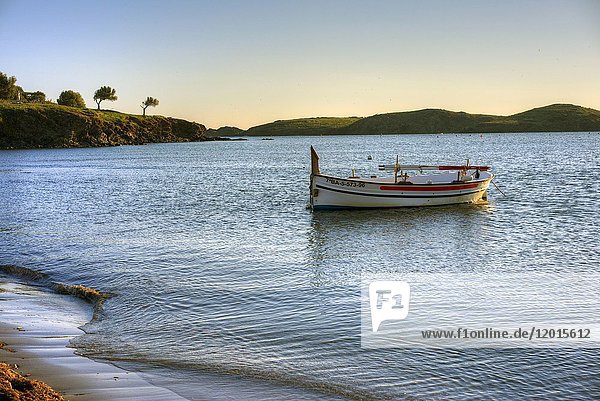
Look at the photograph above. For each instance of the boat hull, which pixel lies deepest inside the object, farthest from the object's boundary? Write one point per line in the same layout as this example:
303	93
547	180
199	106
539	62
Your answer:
336	193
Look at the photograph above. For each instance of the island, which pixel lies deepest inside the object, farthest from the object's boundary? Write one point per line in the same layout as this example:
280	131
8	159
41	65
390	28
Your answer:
552	118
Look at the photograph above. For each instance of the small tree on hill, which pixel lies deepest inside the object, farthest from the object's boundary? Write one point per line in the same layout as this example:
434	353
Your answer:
71	98
104	93
8	88
150	101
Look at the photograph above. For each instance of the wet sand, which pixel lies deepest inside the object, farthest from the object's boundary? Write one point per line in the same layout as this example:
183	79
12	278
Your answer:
37	326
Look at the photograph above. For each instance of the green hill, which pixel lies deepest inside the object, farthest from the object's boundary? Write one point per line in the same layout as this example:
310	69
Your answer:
52	126
302	126
553	118
556	117
225	131
418	122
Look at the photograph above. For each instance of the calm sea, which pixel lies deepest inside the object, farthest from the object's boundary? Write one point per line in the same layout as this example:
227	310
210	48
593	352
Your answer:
222	278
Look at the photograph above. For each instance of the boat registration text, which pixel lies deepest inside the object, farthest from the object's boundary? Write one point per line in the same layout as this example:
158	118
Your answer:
345	183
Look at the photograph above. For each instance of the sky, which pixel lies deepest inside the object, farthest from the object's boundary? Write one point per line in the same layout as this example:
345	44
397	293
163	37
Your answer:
244	63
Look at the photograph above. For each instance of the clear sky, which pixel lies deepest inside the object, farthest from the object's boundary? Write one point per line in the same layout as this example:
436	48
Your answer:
248	62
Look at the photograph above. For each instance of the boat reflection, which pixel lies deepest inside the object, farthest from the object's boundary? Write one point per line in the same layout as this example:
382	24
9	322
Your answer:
344	244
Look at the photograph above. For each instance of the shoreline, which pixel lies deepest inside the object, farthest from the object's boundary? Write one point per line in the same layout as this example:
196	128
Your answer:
37	326
269	137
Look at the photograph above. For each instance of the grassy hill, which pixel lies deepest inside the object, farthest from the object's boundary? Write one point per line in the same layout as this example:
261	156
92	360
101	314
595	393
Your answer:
302	126
553	118
45	125
225	131
556	117
418	122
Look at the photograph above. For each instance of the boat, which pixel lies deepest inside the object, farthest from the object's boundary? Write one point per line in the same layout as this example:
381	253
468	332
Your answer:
409	186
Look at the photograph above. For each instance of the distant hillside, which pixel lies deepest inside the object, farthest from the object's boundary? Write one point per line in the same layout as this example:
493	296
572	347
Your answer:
556	117
53	126
418	122
302	126
225	131
553	118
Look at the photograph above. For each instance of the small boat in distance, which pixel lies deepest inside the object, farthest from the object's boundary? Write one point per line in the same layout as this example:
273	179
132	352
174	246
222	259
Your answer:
429	186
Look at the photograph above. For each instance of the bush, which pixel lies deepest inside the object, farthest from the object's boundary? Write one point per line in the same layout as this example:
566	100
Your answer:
71	98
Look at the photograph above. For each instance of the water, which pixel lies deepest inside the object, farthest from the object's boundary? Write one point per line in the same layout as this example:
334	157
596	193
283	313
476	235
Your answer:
219	269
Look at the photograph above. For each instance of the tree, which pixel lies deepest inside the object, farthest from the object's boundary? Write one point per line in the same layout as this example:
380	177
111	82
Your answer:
150	101
71	98
104	93
8	87
18	93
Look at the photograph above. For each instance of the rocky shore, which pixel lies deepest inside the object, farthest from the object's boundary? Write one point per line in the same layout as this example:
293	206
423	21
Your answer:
27	126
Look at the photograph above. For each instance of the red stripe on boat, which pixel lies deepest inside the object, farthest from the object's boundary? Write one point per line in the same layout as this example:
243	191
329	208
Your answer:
427	187
481	168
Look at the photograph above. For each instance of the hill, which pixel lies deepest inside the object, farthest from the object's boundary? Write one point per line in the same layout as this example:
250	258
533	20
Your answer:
553	118
557	117
225	131
52	126
302	126
418	122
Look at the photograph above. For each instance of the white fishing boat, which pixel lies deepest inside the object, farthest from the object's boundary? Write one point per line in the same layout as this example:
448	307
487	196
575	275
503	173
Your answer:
410	185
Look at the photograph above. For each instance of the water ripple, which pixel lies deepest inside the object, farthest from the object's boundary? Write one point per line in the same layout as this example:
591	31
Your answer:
216	264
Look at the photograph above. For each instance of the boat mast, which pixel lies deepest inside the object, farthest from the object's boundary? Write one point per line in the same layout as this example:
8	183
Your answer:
314	170
314	161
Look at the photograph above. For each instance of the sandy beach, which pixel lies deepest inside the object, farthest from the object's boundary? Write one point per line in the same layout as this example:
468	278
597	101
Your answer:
37	325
